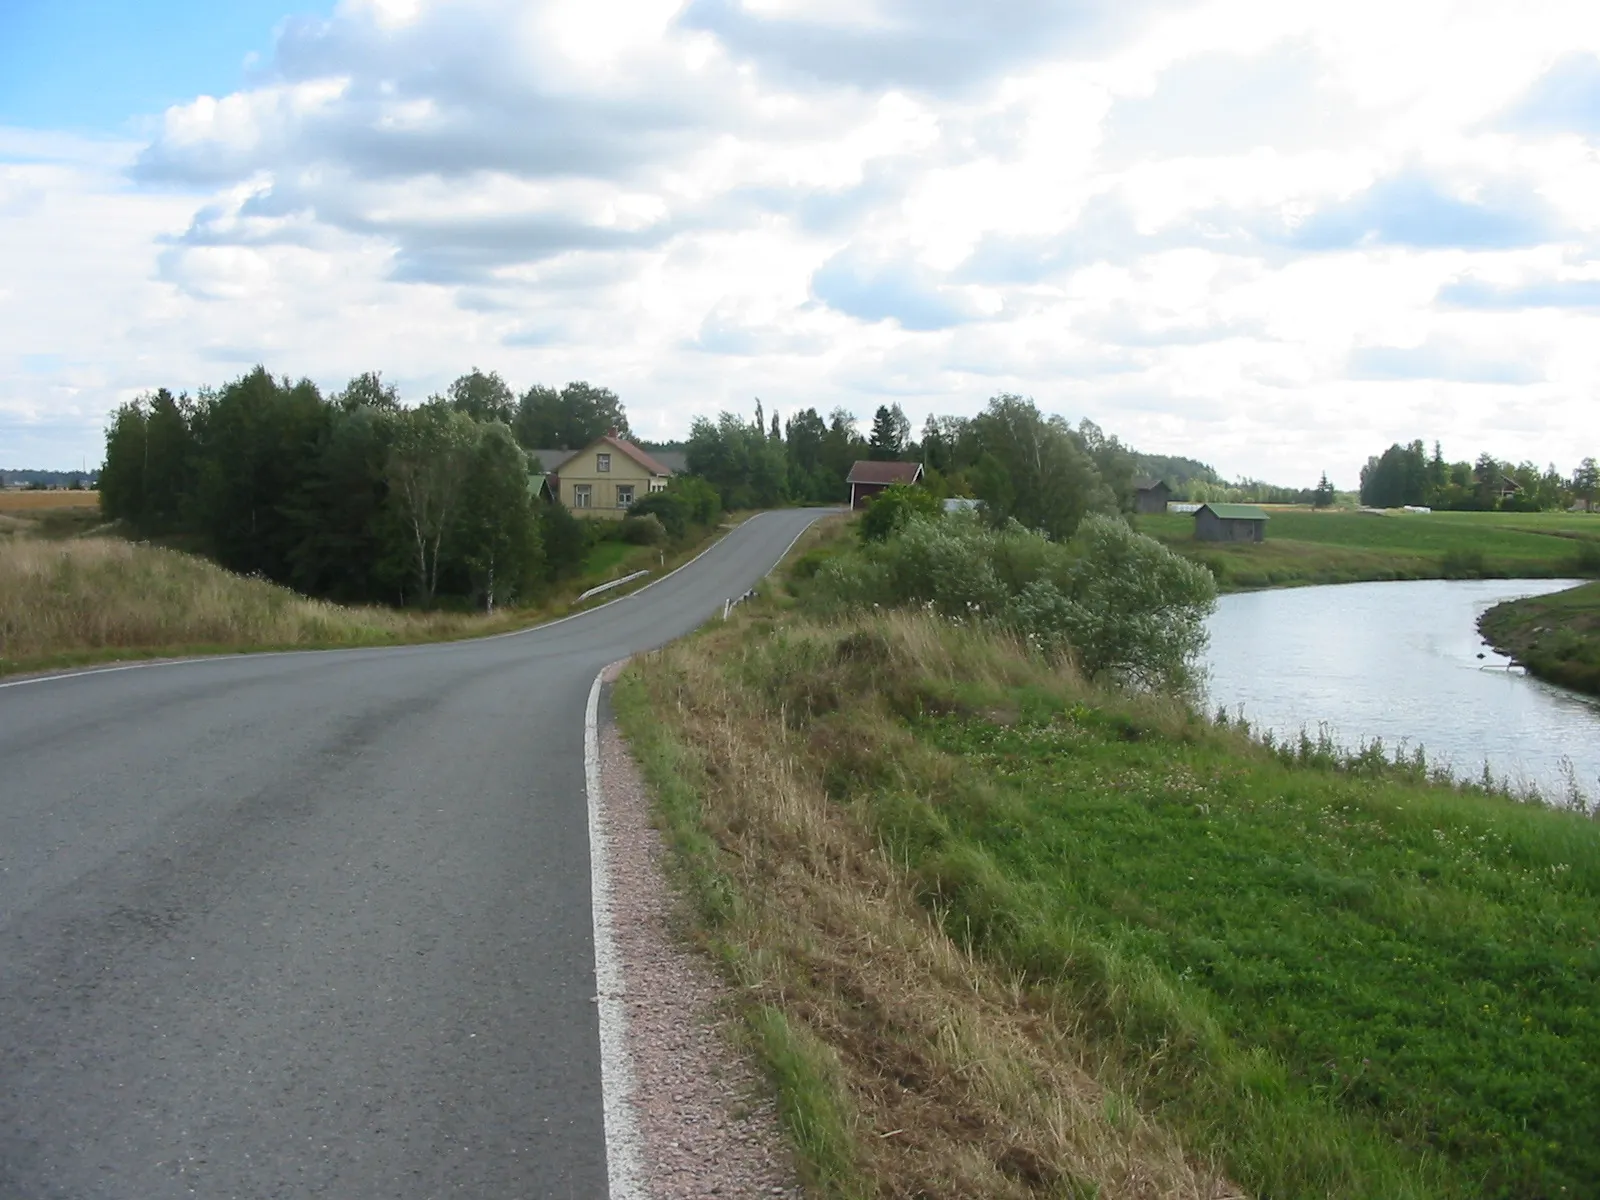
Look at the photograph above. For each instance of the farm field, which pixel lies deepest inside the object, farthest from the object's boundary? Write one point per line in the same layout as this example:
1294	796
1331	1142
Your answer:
1305	547
30	501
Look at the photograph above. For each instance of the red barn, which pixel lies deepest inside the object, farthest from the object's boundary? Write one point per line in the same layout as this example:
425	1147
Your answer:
867	479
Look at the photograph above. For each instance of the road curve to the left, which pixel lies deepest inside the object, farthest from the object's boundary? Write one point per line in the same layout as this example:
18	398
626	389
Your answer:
316	924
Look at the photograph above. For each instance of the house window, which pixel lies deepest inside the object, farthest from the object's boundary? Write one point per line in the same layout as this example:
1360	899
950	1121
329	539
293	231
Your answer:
602	462
582	494
658	485
624	495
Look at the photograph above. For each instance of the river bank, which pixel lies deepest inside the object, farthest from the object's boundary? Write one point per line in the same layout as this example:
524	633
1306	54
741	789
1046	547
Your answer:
1005	932
1402	664
1310	547
1556	637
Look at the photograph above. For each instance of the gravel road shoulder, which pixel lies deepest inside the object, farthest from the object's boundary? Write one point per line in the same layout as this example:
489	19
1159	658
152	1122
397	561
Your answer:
705	1115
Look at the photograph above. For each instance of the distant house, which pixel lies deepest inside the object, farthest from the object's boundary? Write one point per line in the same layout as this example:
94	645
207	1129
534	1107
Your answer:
605	477
867	479
1230	523
1151	495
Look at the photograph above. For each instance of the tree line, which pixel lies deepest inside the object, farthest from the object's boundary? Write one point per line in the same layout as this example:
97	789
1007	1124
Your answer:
1020	462
354	497
1409	475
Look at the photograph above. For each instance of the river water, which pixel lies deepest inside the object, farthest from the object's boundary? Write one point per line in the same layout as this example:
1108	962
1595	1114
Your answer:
1403	662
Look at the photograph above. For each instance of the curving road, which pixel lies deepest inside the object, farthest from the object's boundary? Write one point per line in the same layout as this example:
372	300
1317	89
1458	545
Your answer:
316	924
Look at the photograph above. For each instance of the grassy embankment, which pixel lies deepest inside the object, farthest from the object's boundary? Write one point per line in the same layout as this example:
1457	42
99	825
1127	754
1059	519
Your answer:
1002	933
73	593
1556	637
1304	547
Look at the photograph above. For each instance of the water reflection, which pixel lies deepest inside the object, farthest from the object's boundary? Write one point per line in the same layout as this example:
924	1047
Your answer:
1403	662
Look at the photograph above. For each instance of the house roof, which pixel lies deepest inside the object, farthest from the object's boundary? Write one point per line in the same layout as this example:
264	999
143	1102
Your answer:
653	465
553	460
675	460
1235	512
1146	484
884	472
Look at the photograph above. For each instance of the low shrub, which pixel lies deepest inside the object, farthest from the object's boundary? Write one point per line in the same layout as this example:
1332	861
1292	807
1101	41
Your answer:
1121	604
646	530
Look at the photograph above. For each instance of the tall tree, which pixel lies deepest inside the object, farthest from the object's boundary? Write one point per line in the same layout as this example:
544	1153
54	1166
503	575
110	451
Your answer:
1114	461
1323	496
483	397
890	433
498	534
368	390
1586	482
1034	469
256	442
427	469
569	419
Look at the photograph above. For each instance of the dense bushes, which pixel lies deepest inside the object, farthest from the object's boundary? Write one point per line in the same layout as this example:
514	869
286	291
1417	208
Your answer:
686	502
1121	604
892	509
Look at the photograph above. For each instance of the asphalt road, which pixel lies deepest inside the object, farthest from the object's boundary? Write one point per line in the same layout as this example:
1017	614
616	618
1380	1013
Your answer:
316	924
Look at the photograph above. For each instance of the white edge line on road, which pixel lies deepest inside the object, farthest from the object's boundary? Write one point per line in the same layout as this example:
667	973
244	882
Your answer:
790	546
212	658
623	1159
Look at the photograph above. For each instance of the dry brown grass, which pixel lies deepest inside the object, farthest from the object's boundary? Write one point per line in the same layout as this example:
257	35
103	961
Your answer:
90	596
955	1081
34	501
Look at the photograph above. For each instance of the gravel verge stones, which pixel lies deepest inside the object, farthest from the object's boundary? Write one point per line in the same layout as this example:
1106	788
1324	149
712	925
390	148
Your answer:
706	1118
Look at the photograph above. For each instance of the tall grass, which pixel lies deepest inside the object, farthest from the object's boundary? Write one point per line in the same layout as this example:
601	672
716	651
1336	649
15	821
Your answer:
906	1066
89	596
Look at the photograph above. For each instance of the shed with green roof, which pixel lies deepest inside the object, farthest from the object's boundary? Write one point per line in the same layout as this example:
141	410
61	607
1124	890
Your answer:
1230	523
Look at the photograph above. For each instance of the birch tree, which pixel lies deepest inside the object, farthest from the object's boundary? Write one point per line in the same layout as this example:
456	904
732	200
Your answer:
427	473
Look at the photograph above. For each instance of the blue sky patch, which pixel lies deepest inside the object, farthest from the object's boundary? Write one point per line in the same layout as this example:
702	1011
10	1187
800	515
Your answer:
95	65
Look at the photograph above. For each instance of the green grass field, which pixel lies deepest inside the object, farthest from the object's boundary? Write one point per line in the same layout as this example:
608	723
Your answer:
1557	637
1326	978
1303	546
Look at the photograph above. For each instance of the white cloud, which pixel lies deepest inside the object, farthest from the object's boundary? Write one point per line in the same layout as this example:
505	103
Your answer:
1277	236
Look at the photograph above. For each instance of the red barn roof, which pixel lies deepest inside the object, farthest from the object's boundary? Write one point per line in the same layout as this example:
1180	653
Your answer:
885	472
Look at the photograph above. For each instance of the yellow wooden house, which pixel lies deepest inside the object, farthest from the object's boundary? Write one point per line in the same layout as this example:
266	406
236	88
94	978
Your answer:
606	477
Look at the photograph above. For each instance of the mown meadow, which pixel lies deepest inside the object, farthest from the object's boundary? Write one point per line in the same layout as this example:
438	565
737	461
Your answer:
1340	546
1007	930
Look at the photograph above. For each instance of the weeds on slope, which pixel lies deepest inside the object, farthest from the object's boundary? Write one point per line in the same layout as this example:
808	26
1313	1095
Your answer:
907	1065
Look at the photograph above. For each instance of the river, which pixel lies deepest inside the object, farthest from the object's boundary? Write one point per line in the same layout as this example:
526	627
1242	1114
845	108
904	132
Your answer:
1403	662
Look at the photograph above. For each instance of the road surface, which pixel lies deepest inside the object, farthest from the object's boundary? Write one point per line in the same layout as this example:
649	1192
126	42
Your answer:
316	924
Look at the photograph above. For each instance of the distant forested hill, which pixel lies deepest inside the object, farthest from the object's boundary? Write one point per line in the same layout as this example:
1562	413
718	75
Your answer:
1176	470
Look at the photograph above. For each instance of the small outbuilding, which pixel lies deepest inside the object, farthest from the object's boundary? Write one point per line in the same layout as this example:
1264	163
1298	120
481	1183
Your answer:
1151	495
1230	523
868	478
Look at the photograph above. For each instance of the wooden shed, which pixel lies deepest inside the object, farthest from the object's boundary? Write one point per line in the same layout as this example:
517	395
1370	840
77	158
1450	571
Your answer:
1151	495
1230	523
867	479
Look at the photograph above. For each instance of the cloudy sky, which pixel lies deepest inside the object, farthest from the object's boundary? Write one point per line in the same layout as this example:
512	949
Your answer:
1270	234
